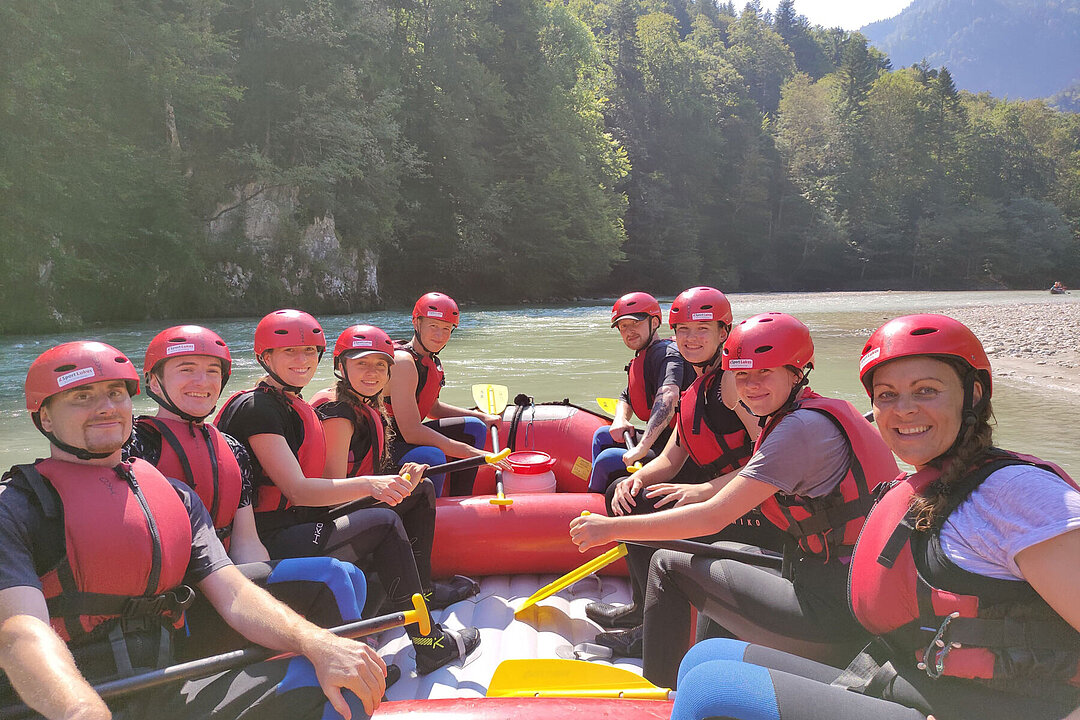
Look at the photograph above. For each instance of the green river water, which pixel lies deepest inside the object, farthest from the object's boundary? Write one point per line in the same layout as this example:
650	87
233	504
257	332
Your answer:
556	352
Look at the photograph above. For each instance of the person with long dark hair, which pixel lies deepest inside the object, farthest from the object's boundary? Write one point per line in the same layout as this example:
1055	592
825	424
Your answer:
293	500
358	439
963	569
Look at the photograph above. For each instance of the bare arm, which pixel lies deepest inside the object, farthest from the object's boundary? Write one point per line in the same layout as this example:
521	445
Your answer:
39	664
1043	565
244	543
402	388
444	410
734	500
282	467
339	663
660	469
339	435
621	424
663	409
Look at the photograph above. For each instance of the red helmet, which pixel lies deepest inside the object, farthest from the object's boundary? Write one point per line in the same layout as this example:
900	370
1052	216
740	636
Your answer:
360	340
437	306
74	364
288	328
700	303
768	340
925	334
638	305
187	340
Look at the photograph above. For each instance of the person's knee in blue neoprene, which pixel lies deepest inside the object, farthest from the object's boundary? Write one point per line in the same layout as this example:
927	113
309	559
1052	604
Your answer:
477	430
428	455
345	581
607	466
709	650
726	689
602	440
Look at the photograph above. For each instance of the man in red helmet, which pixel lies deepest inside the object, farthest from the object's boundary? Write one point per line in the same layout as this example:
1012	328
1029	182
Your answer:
655	378
415	383
99	590
185	369
711	442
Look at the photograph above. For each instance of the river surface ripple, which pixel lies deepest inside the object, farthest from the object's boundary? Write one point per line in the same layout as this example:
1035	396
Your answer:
556	352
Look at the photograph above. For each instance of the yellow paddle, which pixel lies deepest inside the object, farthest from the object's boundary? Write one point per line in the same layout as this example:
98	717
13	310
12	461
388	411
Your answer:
610	406
570	678
572	577
494	398
688	546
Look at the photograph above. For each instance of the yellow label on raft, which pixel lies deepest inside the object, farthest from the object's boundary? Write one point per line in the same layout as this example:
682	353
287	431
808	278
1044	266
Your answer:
582	468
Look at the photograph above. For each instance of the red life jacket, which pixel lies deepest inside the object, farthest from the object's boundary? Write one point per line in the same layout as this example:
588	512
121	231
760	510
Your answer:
312	453
128	543
640	402
430	380
376	432
1008	636
198	455
830	524
717	449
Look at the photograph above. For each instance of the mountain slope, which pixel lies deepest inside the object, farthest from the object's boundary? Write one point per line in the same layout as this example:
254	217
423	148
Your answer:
1013	48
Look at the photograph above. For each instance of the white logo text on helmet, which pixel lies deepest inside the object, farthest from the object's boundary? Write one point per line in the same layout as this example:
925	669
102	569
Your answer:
869	358
75	375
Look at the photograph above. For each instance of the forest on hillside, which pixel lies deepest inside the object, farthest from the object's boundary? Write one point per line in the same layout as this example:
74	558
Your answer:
197	158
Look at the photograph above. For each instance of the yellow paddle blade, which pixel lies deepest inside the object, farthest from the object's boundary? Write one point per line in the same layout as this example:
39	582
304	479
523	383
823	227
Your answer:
569	678
608	405
490	398
573	576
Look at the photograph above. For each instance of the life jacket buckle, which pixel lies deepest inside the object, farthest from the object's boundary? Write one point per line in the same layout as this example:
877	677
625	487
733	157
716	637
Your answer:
939	649
171	604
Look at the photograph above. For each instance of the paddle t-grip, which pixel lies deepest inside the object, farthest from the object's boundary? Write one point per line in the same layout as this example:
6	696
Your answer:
630	446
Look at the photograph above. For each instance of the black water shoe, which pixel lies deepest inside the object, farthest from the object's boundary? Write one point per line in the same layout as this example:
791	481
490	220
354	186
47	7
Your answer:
614	616
443	647
445	593
623	643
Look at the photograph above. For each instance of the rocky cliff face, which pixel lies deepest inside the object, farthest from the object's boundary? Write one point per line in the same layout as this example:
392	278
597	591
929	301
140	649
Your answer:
268	248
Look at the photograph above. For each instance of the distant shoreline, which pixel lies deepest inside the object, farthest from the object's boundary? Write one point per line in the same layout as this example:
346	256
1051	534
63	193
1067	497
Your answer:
1032	343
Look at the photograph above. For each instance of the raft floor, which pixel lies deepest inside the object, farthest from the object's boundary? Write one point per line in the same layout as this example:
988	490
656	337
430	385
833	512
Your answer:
549	630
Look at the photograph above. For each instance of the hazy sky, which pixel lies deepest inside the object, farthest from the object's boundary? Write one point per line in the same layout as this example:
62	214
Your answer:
848	14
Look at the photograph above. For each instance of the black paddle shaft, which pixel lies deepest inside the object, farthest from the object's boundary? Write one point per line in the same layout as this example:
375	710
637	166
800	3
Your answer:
215	664
712	551
454	466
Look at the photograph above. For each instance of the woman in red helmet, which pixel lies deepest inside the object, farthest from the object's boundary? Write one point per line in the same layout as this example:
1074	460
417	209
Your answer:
962	569
288	449
711	442
414	388
358	438
814	467
655	377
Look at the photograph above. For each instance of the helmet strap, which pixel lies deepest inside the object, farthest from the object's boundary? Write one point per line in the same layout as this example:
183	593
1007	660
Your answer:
284	385
81	453
789	404
167	402
969	417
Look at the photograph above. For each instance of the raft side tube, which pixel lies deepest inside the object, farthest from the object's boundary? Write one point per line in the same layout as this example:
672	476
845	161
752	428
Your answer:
532	536
525	709
561	430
